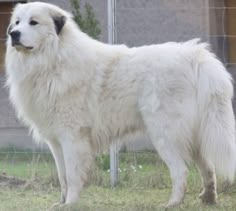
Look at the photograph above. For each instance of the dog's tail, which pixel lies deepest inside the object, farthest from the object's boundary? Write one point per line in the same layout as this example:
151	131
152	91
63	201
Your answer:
217	121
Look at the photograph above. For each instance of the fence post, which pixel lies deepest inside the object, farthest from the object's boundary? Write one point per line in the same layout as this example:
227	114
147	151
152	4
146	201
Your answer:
111	20
111	17
114	164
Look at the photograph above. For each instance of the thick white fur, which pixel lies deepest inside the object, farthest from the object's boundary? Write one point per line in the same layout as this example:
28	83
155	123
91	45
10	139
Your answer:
78	95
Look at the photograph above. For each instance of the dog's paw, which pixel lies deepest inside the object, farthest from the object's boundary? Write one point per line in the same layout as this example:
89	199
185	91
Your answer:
208	197
55	206
173	204
64	207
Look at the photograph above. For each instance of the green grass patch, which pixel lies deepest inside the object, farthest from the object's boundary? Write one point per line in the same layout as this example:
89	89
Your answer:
144	184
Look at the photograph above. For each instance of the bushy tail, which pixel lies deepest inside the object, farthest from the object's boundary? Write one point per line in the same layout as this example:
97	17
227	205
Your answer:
218	140
217	121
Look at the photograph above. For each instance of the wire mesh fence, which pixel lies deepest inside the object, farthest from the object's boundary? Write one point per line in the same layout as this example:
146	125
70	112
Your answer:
31	165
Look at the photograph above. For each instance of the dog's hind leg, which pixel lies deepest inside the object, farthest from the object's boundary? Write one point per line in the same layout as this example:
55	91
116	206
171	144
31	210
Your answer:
165	142
176	164
78	157
177	168
207	171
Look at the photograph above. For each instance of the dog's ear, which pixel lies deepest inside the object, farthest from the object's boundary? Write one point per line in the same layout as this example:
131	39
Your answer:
59	22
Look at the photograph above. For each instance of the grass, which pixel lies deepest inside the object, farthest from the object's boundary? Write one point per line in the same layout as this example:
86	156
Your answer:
144	185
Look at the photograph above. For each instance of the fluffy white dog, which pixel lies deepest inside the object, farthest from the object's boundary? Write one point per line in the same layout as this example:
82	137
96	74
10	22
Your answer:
78	94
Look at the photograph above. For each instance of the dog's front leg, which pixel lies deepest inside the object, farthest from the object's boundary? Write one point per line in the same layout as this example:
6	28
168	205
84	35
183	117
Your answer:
57	152
78	156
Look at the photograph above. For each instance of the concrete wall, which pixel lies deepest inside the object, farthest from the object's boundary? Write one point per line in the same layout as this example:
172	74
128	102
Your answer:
143	22
139	22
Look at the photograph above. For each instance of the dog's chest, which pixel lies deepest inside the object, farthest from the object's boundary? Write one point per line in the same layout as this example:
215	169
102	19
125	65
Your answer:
30	104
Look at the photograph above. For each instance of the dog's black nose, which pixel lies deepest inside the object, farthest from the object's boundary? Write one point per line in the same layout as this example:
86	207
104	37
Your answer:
15	36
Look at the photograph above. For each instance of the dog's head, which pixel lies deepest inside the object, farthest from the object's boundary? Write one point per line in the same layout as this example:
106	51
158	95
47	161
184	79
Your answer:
32	24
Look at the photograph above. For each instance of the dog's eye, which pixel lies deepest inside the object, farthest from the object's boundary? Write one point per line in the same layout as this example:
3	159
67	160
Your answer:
33	23
17	22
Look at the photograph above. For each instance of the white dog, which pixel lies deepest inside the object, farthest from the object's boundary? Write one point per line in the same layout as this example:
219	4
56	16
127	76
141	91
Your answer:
78	94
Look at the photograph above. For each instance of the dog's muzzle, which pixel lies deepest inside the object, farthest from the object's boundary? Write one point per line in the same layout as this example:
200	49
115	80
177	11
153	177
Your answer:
15	41
15	38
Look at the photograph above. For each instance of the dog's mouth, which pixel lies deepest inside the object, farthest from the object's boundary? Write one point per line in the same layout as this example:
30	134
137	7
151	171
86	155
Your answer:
20	46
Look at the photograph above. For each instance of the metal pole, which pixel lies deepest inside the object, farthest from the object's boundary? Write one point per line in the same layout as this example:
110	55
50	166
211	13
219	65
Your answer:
111	9
114	164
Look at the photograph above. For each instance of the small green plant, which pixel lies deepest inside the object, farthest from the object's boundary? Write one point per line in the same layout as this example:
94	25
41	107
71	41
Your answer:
86	20
103	162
